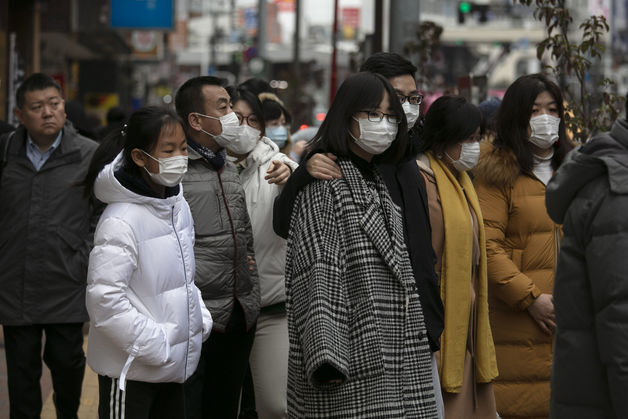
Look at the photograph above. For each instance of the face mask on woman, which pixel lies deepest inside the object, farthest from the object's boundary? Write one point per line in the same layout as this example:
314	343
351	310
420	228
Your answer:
375	137
544	130
278	134
246	140
230	128
412	113
469	156
171	170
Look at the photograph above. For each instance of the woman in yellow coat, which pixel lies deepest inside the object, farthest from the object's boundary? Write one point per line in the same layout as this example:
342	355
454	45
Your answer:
467	364
522	241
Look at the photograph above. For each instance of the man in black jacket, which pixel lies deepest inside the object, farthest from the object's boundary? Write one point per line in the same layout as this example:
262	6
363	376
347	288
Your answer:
46	227
405	185
589	196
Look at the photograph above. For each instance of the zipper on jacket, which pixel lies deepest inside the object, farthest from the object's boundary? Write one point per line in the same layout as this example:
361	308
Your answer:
235	250
187	291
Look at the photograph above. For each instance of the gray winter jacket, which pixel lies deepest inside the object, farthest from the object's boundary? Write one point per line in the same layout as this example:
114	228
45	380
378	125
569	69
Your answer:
224	240
589	196
46	229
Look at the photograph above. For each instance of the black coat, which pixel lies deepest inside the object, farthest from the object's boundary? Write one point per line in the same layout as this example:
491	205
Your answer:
589	196
46	228
407	190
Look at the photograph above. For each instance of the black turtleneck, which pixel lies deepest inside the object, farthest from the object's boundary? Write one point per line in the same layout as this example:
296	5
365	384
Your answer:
134	182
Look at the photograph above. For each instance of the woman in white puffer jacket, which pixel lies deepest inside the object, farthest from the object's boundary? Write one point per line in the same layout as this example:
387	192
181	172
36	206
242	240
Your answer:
259	162
147	317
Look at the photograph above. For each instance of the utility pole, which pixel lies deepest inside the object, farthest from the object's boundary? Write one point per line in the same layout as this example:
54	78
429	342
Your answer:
296	53
404	22
262	37
334	43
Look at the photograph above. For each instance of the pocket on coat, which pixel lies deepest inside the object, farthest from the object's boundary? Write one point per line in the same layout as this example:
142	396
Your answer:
72	253
366	356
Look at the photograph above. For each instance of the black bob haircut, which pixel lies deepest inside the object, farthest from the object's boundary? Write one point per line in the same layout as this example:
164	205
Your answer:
389	65
241	93
359	92
513	119
36	81
190	97
450	120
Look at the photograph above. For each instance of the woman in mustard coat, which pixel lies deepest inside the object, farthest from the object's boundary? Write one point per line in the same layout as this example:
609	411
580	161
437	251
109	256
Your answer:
522	241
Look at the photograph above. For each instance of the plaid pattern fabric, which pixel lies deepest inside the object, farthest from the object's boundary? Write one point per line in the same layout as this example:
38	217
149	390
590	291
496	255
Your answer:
352	303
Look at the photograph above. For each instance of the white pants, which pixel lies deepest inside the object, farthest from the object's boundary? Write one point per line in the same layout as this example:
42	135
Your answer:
269	366
440	406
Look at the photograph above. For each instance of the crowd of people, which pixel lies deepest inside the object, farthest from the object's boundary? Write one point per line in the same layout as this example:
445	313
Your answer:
464	262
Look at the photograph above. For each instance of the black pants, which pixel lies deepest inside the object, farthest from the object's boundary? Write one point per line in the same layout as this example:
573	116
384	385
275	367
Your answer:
140	400
213	391
63	354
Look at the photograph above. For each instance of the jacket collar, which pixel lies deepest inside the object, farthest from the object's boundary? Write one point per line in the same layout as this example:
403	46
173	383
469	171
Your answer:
381	230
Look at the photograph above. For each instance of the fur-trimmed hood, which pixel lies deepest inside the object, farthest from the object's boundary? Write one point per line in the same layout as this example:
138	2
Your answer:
497	167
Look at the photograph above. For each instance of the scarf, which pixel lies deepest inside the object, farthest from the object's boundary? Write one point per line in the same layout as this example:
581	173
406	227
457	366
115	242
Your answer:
216	160
456	274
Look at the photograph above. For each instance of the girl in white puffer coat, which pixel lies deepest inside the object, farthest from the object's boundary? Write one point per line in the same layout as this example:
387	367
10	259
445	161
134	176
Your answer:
147	318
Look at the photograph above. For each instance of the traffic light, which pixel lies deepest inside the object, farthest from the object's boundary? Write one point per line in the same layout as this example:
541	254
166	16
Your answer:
464	8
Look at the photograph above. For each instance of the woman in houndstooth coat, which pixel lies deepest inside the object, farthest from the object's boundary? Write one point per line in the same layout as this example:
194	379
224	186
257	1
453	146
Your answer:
358	344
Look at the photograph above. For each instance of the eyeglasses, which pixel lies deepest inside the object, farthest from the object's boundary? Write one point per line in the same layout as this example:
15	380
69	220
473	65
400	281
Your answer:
377	116
412	99
251	119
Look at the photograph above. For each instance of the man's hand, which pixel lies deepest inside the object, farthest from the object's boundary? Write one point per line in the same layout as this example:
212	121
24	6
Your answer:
323	166
542	311
251	263
278	173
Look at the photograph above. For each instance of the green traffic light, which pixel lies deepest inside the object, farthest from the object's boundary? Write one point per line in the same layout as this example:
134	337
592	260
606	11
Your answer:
464	6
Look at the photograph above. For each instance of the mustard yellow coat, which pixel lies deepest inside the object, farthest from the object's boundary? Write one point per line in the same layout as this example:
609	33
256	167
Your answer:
522	243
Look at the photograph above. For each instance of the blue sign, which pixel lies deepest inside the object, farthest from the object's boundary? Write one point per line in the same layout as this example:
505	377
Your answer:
142	14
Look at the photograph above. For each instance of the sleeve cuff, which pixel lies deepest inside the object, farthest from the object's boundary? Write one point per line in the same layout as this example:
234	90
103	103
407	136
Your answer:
533	295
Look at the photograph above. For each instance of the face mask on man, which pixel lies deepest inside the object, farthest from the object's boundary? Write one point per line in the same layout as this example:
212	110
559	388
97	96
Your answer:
278	134
375	137
412	113
230	128
171	170
544	130
469	156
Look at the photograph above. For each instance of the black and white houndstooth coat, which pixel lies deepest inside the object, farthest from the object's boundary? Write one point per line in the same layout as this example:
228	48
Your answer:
352	304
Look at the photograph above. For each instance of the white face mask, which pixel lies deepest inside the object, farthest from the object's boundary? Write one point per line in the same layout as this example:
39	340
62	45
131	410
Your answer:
375	137
544	130
171	170
412	113
230	128
469	156
245	141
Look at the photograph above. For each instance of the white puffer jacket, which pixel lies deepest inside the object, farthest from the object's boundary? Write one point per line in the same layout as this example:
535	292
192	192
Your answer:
147	317
270	249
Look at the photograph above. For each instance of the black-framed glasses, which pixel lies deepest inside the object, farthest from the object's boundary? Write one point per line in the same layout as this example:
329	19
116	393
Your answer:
414	99
251	119
377	116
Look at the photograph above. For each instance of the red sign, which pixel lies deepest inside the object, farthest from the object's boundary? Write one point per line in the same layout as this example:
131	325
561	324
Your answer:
350	16
285	5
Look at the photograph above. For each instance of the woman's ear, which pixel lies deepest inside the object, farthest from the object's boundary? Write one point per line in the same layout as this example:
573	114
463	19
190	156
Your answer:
138	156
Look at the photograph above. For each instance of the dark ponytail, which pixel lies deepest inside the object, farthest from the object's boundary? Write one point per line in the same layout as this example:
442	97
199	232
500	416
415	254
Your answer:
143	130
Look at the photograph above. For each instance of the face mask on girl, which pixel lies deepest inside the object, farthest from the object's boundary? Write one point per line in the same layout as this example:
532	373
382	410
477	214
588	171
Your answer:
171	170
469	156
277	133
246	140
230	128
375	137
412	113
544	130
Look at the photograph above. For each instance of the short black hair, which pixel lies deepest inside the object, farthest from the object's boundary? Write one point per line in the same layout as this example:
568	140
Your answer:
257	86
389	65
513	119
359	92
36	81
189	97
449	121
239	93
116	114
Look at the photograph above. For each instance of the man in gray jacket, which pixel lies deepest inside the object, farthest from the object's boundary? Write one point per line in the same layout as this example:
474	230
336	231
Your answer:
223	249
45	237
589	196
